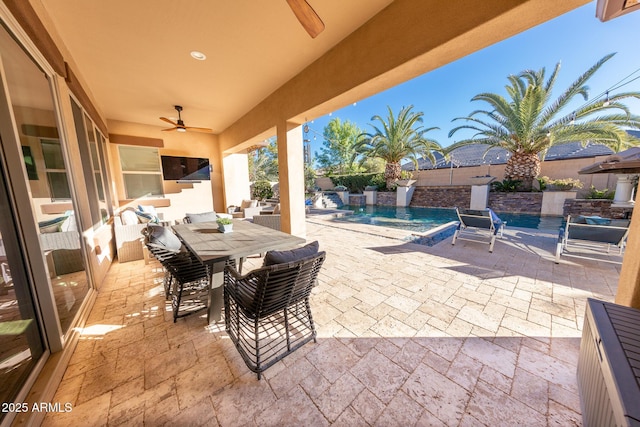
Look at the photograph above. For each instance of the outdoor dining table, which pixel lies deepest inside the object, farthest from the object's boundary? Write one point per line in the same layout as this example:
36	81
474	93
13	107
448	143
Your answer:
214	248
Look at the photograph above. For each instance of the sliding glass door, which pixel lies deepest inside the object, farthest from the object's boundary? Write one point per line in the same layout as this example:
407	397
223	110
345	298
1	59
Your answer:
44	281
21	342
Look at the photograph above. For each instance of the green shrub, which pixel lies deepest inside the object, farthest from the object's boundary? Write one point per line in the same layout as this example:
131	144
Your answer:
506	185
262	190
357	182
406	174
594	193
542	182
378	181
563	184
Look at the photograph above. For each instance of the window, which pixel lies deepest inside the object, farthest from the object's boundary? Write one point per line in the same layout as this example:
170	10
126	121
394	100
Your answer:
55	170
140	171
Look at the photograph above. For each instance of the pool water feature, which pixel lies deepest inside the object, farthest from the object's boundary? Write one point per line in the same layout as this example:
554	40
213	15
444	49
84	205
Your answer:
420	220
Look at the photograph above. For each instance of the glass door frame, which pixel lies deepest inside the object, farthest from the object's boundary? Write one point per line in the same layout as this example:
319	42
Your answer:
55	339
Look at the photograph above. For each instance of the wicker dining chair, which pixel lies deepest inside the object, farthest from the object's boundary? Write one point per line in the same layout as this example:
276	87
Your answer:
186	279
267	311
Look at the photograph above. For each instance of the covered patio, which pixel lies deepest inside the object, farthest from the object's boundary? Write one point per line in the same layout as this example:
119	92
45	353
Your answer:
407	335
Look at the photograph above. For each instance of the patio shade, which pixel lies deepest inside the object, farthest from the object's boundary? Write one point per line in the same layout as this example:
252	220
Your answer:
625	162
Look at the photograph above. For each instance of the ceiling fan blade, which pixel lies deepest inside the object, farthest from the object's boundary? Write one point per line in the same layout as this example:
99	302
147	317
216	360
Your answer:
169	129
164	119
196	129
307	17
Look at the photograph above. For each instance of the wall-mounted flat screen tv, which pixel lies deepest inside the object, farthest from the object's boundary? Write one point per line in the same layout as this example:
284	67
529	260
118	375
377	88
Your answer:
185	168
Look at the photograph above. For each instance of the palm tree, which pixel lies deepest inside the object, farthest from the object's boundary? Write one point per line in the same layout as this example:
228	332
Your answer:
397	139
528	123
263	163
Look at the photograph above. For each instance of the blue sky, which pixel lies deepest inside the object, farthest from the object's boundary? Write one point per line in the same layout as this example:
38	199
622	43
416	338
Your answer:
577	40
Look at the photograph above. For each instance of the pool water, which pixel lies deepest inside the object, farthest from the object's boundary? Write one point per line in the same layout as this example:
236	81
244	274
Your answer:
419	220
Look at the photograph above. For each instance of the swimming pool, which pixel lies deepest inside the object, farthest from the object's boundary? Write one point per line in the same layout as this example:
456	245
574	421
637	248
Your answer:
419	220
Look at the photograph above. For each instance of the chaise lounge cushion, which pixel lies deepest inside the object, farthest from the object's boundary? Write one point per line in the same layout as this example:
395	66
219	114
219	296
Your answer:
597	220
281	257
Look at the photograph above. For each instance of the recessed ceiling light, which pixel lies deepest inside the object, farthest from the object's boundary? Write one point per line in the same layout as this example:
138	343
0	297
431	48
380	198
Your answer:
198	55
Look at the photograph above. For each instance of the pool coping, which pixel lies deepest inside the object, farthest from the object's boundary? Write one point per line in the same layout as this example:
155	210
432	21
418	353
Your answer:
376	230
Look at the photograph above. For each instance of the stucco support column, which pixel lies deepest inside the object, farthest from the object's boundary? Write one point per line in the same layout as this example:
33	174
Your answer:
629	283
291	175
235	173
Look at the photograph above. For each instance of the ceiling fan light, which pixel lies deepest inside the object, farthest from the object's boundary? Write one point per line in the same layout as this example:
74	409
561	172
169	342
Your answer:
198	55
181	130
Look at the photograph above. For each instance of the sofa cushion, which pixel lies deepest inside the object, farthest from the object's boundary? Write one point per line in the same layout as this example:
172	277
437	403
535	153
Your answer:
201	217
248	204
281	257
69	224
52	226
129	217
145	217
148	209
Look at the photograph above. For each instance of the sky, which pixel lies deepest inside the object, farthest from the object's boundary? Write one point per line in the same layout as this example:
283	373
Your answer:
577	39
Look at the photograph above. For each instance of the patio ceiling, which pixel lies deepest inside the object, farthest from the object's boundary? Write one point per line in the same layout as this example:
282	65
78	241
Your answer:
135	55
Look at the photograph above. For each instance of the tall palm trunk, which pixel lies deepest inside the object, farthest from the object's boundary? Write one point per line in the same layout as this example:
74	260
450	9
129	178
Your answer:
392	173
523	167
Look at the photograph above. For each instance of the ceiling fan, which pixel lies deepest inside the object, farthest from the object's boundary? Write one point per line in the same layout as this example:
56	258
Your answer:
179	125
307	17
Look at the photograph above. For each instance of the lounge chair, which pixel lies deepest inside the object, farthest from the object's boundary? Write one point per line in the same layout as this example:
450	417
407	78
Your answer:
593	235
478	225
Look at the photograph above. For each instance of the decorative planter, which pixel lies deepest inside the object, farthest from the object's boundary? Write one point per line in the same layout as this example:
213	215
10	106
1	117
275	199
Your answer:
371	196
225	228
404	193
553	201
344	196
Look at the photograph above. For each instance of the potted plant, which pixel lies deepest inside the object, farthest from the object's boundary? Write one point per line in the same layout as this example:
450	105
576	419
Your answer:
225	225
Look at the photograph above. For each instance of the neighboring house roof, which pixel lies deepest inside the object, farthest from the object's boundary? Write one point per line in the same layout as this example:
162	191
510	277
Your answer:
472	155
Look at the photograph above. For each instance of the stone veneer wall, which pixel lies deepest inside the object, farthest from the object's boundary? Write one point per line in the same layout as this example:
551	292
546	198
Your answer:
460	195
599	207
530	203
442	197
357	199
386	198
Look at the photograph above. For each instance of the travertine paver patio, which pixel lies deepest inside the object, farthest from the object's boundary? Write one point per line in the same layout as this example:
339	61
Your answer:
407	335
